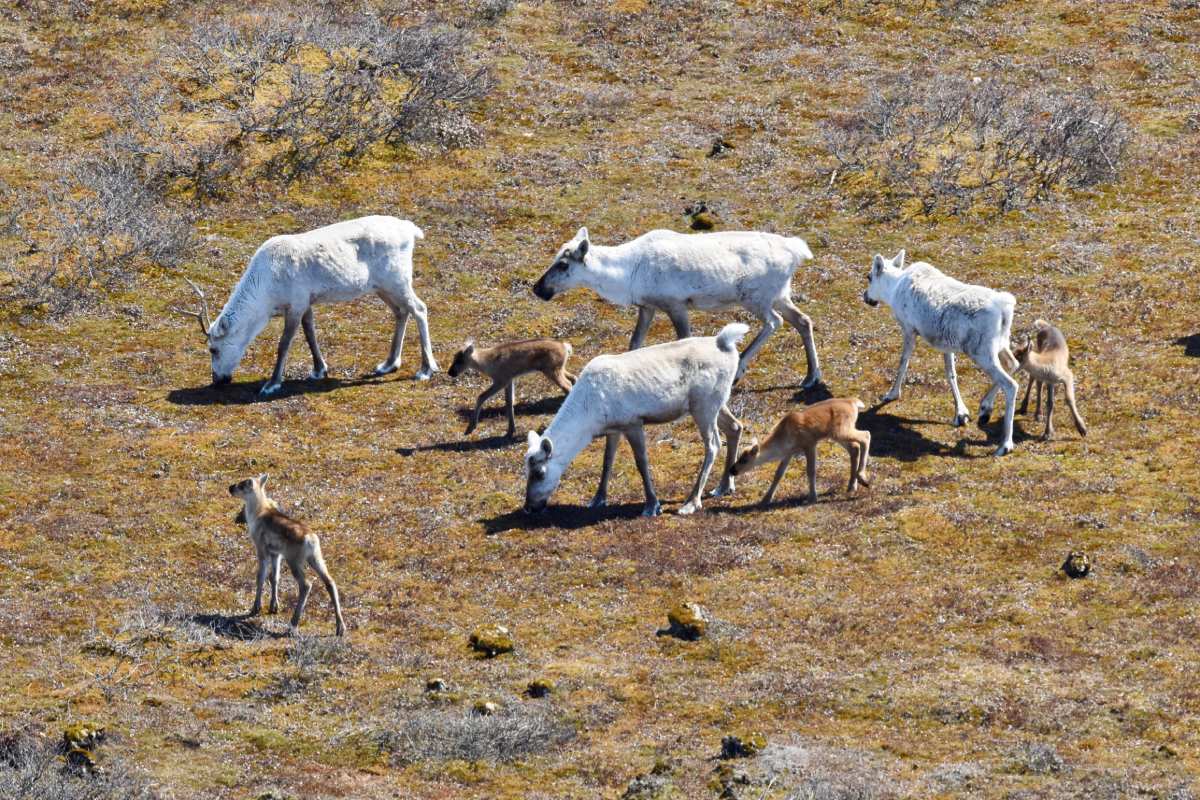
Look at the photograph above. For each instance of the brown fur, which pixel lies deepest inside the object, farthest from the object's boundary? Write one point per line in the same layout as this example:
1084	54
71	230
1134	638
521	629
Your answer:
505	362
800	431
1045	357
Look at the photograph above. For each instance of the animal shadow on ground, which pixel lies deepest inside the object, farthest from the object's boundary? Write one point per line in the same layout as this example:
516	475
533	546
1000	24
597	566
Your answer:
238	626
1190	345
893	436
568	517
798	500
547	405
246	392
463	446
813	394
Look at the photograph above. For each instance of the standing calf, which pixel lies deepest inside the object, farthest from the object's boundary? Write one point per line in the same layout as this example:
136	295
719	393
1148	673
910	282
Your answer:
505	362
799	432
617	395
674	272
954	317
288	275
1046	360
277	537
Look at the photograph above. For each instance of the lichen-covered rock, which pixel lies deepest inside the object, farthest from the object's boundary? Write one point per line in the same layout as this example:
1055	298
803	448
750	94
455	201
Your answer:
485	708
1077	565
649	787
688	620
491	640
539	687
743	745
82	736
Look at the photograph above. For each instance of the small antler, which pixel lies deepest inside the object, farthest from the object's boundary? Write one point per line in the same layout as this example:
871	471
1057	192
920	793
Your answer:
202	314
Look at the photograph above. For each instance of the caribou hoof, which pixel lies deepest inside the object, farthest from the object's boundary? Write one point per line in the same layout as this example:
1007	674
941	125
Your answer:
984	416
599	501
690	507
961	419
269	389
318	374
385	368
425	373
722	490
811	381
890	397
652	509
1004	449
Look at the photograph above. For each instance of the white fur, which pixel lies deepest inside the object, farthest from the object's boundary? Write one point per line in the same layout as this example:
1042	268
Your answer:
954	317
674	272
618	394
340	262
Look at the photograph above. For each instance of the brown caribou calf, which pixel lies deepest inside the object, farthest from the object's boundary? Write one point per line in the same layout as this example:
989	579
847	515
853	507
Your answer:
1046	357
505	362
799	432
277	537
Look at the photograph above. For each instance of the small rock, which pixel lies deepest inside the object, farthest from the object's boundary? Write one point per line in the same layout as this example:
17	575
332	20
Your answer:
1077	565
746	745
720	147
539	687
702	219
648	787
491	640
485	708
688	621
436	685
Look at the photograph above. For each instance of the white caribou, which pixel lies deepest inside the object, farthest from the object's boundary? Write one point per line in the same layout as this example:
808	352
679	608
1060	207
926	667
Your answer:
617	395
674	272
954	317
290	274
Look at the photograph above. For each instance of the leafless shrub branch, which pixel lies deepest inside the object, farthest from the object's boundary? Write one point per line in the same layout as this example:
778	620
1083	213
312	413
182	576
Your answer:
443	735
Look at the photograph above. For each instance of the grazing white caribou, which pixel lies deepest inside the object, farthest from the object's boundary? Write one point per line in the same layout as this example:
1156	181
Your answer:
674	272
954	317
616	395
288	275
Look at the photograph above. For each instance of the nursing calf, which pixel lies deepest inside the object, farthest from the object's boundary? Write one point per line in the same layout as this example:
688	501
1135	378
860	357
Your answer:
954	317
616	395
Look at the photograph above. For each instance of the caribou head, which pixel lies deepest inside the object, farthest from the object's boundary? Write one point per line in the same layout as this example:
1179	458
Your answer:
212	337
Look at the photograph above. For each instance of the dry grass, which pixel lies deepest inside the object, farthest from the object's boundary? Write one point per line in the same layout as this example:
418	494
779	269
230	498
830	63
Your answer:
916	635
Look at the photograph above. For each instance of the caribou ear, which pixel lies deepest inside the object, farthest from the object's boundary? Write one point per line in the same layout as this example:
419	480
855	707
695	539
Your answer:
877	264
533	439
898	261
468	347
262	480
221	328
547	446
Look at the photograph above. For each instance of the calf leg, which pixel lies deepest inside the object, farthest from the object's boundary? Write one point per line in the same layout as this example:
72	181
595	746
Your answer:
864	441
1037	413
771	323
318	564
510	396
562	379
291	322
297	569
264	568
852	449
810	463
803	325
484	396
729	425
401	316
1049	432
906	351
637	441
961	414
642	327
1024	409
320	368
610	452
276	560
782	468
1070	392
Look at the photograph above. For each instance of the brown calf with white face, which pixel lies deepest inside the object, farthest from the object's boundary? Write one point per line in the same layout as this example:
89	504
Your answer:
800	431
505	362
1045	357
277	537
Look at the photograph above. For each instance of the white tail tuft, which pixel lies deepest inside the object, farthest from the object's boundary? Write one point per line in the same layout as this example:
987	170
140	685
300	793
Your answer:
417	232
1041	324
860	405
730	335
570	350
